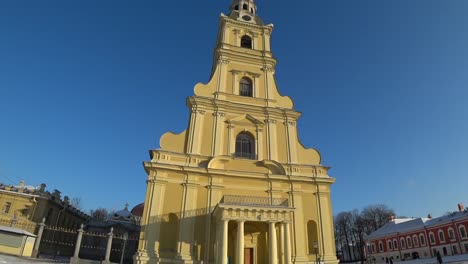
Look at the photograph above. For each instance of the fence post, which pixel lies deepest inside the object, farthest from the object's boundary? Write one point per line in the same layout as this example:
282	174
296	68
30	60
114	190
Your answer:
109	245
35	252
76	253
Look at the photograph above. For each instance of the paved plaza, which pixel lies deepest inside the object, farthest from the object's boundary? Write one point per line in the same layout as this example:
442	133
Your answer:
13	259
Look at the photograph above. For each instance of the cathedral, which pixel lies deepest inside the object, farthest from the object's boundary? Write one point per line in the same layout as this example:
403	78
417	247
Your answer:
237	186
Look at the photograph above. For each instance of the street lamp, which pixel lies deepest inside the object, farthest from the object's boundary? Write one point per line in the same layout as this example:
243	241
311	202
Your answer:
315	244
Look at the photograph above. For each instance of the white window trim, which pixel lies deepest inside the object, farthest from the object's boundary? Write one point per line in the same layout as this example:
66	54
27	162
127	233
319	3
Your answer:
415	241
423	240
430	240
409	242
453	231
459	231
440	238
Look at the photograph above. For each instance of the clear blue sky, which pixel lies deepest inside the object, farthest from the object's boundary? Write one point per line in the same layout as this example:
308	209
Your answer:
88	87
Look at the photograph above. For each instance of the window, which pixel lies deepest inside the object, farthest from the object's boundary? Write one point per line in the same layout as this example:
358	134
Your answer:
432	238
7	207
423	239
415	241
26	210
236	7
466	247
245	7
389	244
455	250
395	244
246	42
245	87
380	246
408	242
373	247
451	234
441	236
245	146
462	230
402	242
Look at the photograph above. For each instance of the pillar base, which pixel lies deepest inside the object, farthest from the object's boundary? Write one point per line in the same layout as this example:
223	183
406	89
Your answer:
330	259
74	260
142	257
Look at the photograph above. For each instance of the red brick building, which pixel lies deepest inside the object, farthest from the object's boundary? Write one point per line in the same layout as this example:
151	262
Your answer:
410	238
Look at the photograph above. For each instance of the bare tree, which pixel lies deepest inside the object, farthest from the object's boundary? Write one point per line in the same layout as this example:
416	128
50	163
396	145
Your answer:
76	202
100	214
351	227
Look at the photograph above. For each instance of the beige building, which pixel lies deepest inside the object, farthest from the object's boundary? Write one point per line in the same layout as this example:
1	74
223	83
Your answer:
237	186
24	206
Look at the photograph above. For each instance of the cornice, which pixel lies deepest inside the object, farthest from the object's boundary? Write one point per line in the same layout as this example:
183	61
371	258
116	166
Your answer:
253	57
260	28
208	103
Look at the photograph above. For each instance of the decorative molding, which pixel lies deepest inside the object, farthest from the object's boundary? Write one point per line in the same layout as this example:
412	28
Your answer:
219	114
268	121
267	68
223	61
291	123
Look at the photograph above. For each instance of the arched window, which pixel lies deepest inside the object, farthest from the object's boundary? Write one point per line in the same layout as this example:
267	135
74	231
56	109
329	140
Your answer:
395	244
245	7
245	87
432	238
441	236
312	237
246	42
402	242
408	242
245	146
380	246
451	233
389	245
236	7
462	230
423	239
415	241
251	10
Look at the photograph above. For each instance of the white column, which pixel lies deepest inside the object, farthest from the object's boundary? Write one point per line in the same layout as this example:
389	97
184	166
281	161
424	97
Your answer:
273	247
240	243
287	244
281	243
224	241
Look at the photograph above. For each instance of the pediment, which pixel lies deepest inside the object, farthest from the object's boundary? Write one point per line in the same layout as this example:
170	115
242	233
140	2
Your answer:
245	120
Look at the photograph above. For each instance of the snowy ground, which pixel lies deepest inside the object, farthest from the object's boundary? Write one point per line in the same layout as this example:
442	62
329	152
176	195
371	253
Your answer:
457	259
4	259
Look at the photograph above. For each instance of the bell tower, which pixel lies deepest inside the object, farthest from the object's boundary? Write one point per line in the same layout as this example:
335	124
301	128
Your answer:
238	180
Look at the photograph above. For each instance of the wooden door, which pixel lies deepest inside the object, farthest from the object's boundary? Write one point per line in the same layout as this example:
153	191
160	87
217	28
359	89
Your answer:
248	256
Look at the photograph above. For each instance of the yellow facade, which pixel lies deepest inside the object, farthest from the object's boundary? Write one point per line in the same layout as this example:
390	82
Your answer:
237	186
25	206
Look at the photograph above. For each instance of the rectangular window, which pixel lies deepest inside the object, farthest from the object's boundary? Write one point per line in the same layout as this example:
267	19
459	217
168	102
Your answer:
455	250
466	247
7	207
26	210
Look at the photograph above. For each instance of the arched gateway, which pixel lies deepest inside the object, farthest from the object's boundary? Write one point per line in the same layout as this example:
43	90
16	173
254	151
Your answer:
237	186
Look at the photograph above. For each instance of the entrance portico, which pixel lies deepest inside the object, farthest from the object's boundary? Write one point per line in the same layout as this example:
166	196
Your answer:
253	211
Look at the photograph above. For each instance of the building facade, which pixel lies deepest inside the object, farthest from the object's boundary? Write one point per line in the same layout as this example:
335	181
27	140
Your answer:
403	239
237	186
29	205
